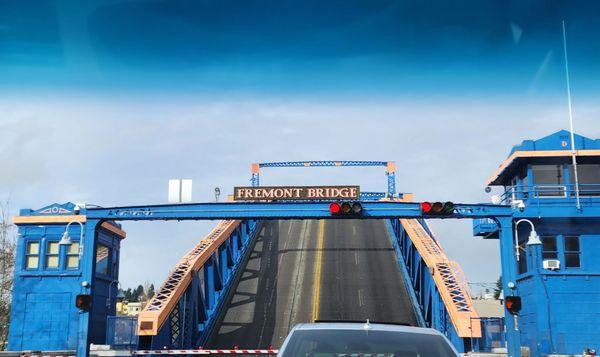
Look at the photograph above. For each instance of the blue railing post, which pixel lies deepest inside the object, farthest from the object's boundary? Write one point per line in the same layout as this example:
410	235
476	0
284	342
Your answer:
210	290
224	262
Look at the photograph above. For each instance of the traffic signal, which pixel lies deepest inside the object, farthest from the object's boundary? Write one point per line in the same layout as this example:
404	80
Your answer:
83	302
437	208
345	208
513	304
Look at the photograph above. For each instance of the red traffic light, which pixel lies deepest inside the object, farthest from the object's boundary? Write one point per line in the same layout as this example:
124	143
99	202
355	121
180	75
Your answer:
83	302
345	208
513	304
437	208
425	207
334	208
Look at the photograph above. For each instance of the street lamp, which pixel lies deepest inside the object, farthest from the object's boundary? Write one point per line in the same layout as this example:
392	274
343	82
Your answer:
120	294
66	237
533	239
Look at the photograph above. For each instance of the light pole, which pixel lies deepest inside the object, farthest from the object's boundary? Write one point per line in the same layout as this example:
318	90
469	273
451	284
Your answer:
66	238
533	236
534	239
110	291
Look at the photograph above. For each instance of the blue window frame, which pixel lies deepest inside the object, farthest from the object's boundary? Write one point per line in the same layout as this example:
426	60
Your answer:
572	252
72	256
52	255
549	247
102	259
32	255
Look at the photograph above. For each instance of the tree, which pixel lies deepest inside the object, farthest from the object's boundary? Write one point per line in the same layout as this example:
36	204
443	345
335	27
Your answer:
498	288
128	295
7	262
138	294
148	291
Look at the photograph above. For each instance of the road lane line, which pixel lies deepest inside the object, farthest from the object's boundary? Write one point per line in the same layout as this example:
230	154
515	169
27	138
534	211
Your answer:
361	301
317	280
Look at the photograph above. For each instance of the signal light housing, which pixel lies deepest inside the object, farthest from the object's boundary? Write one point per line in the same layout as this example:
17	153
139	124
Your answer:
83	302
345	209
437	208
513	304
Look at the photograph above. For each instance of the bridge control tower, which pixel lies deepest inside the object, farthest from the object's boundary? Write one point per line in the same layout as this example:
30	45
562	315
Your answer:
558	275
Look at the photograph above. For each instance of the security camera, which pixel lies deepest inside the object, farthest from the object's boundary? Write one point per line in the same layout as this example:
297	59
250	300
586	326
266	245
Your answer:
78	207
518	204
488	189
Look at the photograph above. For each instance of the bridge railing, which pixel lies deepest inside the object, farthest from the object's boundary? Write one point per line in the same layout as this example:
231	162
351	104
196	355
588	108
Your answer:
441	294
186	306
589	194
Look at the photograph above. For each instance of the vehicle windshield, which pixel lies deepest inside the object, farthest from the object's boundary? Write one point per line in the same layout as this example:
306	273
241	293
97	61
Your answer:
326	343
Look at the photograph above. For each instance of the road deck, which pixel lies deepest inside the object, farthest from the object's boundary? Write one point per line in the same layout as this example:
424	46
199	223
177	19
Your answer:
349	265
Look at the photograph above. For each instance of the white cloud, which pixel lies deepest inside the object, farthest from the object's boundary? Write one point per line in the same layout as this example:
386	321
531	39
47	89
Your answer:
123	152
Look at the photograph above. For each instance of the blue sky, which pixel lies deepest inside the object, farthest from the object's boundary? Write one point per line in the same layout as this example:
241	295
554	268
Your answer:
380	48
104	101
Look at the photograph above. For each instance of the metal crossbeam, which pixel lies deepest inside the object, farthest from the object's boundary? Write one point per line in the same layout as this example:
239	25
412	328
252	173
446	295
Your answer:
322	163
277	210
390	169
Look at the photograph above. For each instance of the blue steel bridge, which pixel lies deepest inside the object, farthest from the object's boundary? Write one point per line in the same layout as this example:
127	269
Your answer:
269	265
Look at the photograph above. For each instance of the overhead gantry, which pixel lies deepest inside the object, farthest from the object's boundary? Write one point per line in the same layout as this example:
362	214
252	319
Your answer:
185	307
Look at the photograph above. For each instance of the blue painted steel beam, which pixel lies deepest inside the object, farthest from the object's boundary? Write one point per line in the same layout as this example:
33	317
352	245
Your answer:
322	163
278	210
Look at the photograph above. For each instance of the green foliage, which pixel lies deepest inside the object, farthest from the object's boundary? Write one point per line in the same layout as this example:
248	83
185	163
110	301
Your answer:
498	288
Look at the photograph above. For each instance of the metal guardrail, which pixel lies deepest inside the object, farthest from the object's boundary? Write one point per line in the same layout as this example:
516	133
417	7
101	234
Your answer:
121	332
492	336
562	194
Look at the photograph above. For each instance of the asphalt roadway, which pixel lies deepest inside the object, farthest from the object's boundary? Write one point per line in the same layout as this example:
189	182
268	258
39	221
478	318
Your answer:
306	270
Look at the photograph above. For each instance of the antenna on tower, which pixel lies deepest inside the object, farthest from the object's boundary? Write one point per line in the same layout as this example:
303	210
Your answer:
573	152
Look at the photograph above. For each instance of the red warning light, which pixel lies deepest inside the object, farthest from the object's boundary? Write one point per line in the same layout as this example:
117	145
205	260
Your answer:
513	304
425	207
83	302
334	208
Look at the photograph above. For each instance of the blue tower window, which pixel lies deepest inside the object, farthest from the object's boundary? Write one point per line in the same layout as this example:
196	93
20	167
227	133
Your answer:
32	255
52	256
549	180
102	259
73	256
589	179
572	252
549	248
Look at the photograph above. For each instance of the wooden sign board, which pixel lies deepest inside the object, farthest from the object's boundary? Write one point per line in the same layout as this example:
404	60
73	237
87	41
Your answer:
275	193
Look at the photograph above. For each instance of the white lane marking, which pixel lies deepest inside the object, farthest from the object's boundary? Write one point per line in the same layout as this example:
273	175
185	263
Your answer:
360	298
290	227
356	258
354	230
